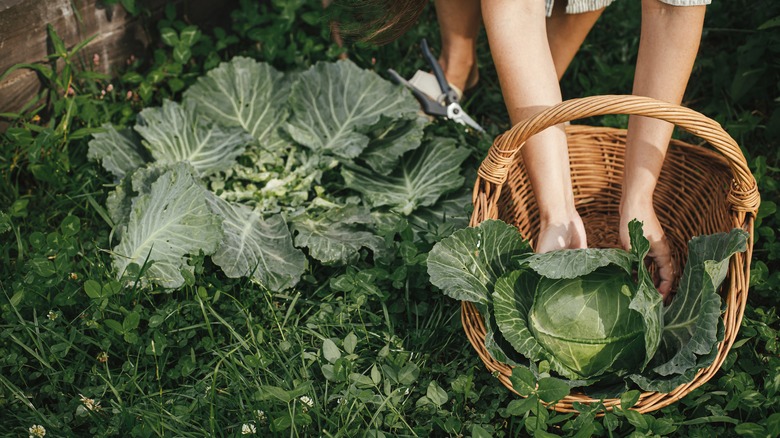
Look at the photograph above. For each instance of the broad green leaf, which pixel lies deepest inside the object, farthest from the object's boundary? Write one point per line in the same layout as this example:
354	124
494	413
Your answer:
521	406
169	36
120	152
166	225
119	202
408	374
93	289
495	343
629	399
70	226
256	247
245	93
647	301
552	390
336	236
333	102
330	351
691	320
573	263
523	381
350	342
436	394
466	265
189	35
390	140
174	133
454	209
513	298
422	177
478	431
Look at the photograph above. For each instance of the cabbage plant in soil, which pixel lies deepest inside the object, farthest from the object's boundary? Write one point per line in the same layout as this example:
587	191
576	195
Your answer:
593	316
268	172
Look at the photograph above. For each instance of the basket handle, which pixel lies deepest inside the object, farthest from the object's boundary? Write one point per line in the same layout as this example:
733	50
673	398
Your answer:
492	173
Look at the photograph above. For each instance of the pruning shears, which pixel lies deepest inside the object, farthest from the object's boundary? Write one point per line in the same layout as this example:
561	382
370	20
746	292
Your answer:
447	104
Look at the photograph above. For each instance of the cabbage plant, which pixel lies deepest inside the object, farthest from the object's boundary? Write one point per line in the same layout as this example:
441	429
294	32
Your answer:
267	172
593	316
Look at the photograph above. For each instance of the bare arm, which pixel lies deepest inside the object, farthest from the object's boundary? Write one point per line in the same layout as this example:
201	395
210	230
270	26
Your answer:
667	49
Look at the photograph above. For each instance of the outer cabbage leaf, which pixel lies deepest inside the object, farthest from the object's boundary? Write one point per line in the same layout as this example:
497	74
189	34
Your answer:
647	301
573	263
390	140
495	343
335	237
175	133
453	209
466	265
513	298
422	177
119	202
167	224
652	381
120	152
256	247
692	325
333	102
245	93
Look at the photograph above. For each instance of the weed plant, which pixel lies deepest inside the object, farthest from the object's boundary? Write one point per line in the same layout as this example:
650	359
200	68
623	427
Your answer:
360	350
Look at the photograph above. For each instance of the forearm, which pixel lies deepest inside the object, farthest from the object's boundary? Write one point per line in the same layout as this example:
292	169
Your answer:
518	41
667	49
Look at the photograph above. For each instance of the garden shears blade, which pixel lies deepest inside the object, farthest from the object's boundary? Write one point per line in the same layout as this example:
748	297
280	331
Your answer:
445	103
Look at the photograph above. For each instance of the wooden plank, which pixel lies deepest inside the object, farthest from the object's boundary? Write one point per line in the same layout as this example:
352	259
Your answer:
23	37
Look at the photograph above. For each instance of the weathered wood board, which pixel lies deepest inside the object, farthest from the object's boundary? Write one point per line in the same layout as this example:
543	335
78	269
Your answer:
118	35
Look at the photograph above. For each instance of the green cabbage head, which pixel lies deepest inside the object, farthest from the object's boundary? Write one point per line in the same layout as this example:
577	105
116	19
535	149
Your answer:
592	316
586	322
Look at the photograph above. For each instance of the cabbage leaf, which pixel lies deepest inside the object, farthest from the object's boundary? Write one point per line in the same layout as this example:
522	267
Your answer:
573	263
692	323
334	103
466	265
422	177
255	247
174	133
167	224
390	139
120	152
336	236
245	93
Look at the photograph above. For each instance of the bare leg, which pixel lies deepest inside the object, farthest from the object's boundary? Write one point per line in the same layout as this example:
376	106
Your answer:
529	83
566	32
459	21
667	50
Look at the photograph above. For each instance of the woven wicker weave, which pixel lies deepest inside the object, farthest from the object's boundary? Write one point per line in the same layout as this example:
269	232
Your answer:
700	191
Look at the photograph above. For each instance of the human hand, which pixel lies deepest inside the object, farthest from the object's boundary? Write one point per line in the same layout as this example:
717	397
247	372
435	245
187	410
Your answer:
568	234
660	253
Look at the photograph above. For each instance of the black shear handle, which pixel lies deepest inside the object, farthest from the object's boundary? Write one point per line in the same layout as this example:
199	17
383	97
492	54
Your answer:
449	93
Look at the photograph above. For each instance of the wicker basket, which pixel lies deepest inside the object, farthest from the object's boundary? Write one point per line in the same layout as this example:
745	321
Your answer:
700	191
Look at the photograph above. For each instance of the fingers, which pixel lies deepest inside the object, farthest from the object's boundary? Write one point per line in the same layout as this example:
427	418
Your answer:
661	256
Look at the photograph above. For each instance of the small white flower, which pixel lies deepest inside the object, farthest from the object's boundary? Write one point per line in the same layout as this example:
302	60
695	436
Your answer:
36	431
307	401
261	416
52	315
90	404
248	429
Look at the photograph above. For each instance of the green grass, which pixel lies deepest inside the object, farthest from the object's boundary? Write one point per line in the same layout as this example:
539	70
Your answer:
351	351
